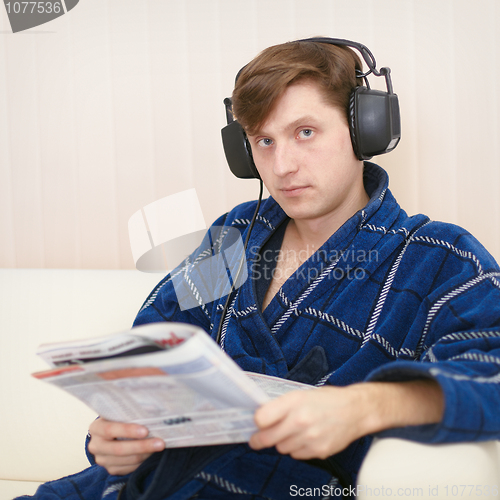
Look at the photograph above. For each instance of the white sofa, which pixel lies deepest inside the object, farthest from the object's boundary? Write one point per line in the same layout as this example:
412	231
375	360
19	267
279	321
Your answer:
42	429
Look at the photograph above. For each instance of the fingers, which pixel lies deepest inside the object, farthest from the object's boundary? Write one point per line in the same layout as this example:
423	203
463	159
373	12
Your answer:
305	424
275	421
124	447
120	448
272	412
119	466
293	441
113	430
296	430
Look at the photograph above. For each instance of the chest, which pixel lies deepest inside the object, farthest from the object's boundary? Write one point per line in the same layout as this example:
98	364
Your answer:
289	258
285	267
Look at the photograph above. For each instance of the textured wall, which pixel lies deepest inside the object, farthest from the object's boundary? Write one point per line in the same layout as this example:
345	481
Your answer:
118	103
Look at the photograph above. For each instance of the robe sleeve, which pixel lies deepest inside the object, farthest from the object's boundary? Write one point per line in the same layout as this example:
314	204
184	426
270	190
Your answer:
460	349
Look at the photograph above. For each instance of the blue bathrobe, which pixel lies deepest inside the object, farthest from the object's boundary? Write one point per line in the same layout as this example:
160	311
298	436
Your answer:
387	298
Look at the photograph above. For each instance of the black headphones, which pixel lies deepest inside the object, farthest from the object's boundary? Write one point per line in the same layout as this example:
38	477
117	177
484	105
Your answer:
374	120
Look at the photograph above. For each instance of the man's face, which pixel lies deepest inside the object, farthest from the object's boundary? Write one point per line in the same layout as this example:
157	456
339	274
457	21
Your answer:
304	155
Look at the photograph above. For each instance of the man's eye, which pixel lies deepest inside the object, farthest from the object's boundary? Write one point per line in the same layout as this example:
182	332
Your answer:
265	142
307	132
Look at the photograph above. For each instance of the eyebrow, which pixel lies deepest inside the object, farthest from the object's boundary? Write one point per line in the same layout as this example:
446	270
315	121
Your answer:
300	121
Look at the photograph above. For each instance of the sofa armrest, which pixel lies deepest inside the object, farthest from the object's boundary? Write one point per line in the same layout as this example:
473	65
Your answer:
429	470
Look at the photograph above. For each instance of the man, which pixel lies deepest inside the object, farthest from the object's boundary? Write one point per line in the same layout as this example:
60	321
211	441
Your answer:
397	318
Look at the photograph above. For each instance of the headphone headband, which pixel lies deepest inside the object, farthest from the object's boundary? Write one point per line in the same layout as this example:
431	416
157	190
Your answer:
362	49
365	52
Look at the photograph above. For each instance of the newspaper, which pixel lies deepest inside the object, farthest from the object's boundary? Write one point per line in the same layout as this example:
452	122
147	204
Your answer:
170	377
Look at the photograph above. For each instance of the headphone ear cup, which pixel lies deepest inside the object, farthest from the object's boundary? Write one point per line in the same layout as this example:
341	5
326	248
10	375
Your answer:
238	152
352	124
374	122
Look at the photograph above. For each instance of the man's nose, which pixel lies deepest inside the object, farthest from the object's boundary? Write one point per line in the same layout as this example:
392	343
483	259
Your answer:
284	160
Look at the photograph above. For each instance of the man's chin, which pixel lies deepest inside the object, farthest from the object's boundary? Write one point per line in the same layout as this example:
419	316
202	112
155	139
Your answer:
298	213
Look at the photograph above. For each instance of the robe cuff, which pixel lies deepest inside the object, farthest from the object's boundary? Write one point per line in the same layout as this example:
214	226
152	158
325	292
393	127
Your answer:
459	424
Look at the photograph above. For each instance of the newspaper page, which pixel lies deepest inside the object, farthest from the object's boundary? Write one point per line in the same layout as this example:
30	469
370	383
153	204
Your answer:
170	377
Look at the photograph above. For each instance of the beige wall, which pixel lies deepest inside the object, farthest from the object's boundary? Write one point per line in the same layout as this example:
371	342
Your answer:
119	103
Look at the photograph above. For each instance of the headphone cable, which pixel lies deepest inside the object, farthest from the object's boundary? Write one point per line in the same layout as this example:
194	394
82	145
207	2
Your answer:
242	260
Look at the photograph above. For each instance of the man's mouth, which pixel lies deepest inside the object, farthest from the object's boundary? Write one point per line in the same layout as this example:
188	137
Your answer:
291	191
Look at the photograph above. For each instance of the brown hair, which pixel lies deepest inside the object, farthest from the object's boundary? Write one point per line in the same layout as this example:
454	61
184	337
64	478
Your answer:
264	80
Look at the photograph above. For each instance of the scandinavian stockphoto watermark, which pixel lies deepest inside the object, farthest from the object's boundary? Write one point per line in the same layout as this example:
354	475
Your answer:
167	231
24	15
217	265
283	263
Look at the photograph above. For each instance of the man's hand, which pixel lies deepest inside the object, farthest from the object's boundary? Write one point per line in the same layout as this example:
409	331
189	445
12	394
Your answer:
121	448
321	422
310	424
